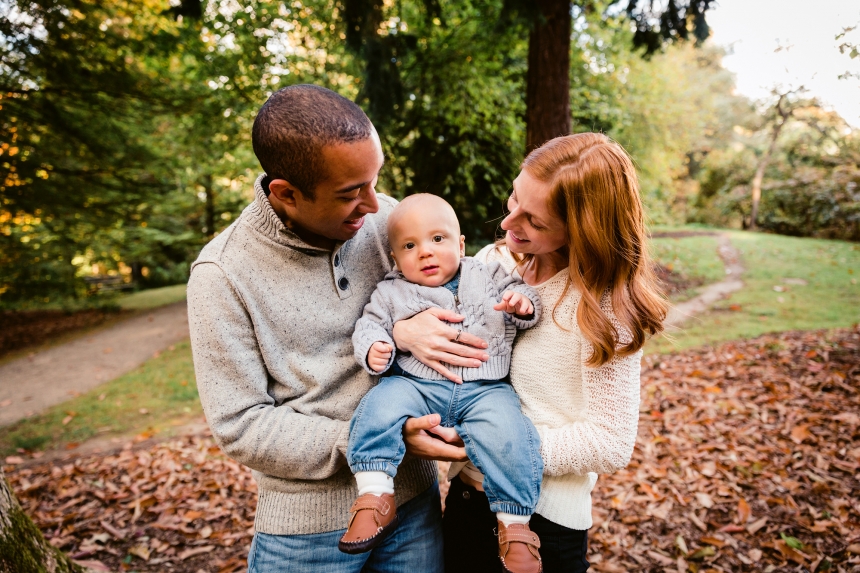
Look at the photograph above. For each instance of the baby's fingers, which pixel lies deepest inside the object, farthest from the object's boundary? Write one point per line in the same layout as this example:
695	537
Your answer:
525	307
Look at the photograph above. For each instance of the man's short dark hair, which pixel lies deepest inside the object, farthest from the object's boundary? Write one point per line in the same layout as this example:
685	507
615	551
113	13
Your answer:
295	124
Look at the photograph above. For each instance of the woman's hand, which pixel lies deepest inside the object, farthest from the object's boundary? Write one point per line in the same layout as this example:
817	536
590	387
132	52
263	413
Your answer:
433	342
426	439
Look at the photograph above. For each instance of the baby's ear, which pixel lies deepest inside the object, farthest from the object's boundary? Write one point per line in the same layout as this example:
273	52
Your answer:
462	245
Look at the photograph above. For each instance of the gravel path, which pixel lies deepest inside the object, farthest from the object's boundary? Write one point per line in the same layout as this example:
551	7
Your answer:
712	293
29	385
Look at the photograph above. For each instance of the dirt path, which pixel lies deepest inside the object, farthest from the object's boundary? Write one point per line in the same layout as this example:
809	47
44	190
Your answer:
29	385
712	293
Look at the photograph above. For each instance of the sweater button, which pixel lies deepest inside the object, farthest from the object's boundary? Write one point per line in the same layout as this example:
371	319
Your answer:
337	260
466	495
343	283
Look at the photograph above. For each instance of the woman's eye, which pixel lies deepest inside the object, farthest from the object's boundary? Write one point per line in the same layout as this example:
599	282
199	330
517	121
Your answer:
437	239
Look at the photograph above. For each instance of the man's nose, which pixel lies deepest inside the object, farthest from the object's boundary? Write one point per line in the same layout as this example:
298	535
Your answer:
369	203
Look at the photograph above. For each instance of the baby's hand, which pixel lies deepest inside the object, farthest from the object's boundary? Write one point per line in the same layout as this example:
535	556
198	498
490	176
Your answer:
378	356
515	303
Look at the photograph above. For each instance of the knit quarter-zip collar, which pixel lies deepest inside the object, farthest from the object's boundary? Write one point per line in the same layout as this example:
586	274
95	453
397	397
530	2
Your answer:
263	218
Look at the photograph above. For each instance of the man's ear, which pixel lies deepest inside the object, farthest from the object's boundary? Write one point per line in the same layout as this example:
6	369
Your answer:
462	245
285	191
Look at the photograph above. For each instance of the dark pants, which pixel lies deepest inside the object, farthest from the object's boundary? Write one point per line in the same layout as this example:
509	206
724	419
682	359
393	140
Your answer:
472	546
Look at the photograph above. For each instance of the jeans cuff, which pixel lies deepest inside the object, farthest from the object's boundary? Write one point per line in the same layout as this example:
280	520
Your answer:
380	466
510	507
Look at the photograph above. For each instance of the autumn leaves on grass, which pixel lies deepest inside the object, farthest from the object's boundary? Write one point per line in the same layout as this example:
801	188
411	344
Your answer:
748	459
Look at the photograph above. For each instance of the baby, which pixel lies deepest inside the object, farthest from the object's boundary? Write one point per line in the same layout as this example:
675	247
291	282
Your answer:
500	441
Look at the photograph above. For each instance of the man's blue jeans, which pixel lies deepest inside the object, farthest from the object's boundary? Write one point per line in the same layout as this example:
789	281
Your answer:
502	442
416	545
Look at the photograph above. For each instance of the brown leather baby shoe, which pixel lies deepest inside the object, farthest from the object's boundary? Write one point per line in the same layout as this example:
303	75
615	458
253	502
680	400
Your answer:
373	518
518	549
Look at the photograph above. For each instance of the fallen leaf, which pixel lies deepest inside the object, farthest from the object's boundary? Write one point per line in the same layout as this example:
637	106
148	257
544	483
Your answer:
701	553
195	551
660	558
141	550
800	433
744	512
704	500
756	525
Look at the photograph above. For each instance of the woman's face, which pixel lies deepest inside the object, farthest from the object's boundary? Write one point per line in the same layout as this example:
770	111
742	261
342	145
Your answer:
532	228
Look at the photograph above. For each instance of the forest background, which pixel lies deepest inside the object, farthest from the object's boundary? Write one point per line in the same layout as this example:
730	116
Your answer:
125	125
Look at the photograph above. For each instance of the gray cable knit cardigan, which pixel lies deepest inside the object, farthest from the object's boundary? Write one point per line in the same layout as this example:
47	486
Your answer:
481	287
271	322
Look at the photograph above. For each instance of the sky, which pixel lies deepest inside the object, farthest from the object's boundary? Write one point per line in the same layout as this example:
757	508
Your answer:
805	30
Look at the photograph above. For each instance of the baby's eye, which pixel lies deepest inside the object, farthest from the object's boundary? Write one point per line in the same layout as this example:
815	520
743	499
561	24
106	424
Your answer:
438	238
409	246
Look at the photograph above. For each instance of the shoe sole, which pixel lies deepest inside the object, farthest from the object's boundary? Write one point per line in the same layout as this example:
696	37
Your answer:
365	545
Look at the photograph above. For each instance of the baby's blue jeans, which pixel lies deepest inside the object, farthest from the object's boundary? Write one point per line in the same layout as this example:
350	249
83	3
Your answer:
502	442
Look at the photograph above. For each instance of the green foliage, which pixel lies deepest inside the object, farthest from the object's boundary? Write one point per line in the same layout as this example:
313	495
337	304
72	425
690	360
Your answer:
459	132
811	185
125	126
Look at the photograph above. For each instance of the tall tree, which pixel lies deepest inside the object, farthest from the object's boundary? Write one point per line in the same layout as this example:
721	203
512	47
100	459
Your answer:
549	27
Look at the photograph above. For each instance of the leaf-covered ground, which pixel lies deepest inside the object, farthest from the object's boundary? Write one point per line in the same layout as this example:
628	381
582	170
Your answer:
748	459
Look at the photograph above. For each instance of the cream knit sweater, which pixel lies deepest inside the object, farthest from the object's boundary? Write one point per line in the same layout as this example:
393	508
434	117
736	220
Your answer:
586	417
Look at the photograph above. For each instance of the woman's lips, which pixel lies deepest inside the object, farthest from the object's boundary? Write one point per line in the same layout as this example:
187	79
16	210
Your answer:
517	239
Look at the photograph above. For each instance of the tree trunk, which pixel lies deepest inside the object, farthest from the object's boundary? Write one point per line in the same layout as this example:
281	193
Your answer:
23	549
782	119
548	82
210	205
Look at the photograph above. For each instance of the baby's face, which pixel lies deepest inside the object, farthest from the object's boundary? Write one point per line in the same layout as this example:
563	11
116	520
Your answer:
427	245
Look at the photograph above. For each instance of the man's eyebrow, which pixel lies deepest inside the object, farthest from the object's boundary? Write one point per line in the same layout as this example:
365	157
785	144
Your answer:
352	187
357	185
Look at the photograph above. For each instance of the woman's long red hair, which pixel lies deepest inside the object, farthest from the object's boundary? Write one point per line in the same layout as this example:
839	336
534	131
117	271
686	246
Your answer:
595	191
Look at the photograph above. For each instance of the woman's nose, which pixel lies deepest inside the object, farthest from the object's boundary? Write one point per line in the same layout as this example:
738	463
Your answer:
509	221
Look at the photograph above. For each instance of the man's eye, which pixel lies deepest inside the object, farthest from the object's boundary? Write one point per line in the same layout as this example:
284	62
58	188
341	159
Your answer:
438	239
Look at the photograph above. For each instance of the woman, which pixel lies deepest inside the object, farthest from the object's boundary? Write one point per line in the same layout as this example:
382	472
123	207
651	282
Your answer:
576	233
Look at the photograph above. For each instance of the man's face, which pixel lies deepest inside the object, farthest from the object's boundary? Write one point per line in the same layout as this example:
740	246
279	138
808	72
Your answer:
427	246
341	200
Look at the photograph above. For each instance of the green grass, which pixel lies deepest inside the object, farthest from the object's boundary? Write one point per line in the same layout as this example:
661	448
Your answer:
830	299
694	258
164	387
152	298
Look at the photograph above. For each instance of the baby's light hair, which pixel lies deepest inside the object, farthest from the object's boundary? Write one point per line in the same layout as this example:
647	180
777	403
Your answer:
425	200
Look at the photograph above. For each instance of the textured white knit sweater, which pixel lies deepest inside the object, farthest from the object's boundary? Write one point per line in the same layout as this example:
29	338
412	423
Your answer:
586	417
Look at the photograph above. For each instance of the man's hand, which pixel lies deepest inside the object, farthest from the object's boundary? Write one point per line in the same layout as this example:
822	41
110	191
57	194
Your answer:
446	446
379	355
515	303
432	342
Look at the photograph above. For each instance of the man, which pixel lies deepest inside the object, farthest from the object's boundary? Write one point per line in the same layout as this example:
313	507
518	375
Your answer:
272	304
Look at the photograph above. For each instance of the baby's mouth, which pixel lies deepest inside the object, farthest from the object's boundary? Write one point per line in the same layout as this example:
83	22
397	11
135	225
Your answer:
429	268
